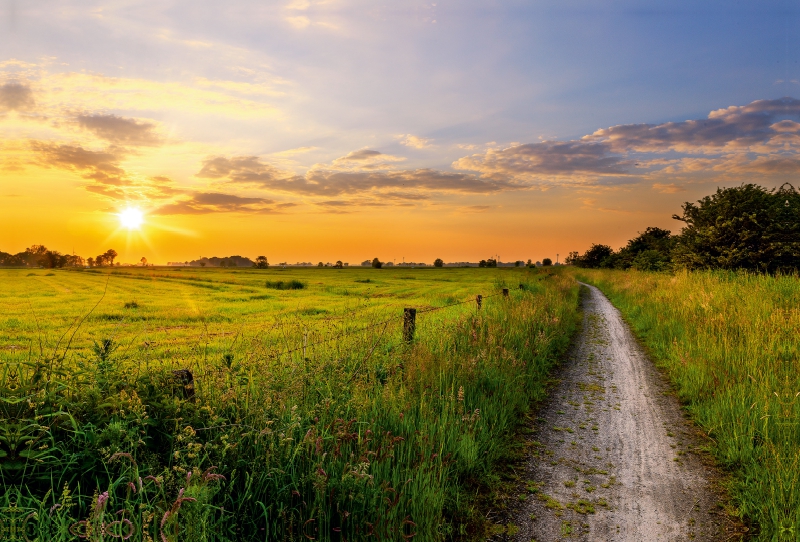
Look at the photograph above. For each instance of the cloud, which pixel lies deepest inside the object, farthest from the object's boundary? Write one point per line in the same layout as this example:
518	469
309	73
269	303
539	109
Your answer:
670	188
16	96
475	208
120	131
761	137
329	182
413	141
535	161
363	154
216	202
101	166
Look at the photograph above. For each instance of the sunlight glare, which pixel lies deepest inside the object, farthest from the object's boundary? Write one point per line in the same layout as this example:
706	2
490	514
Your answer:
131	218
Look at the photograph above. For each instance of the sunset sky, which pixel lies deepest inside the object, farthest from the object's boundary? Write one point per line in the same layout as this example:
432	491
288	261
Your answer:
339	129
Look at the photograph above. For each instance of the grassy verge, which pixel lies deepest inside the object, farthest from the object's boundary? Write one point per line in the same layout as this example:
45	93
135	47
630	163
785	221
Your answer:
365	436
729	343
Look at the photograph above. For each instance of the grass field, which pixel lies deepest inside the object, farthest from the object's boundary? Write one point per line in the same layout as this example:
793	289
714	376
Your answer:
309	416
730	344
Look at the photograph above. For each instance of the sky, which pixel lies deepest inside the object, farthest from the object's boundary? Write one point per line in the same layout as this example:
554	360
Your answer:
332	130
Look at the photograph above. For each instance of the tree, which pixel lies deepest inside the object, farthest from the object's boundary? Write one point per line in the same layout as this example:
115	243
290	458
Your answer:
110	254
90	261
339	264
438	262
144	261
656	241
100	260
202	264
744	227
320	264
376	263
519	263
547	262
596	256
261	263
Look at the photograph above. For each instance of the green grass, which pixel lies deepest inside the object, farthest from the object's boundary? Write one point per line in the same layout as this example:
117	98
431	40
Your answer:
729	342
309	416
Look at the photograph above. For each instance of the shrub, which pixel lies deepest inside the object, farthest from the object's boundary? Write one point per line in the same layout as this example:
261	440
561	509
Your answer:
285	285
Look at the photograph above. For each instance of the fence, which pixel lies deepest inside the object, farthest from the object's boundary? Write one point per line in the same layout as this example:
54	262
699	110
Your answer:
185	378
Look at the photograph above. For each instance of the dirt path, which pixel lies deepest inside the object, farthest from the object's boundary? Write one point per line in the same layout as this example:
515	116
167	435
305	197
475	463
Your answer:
614	457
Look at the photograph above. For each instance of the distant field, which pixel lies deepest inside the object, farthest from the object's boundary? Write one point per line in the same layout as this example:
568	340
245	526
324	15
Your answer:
310	416
169	311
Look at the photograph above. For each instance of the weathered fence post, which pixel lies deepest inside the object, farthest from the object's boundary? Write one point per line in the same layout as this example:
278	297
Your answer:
505	292
185	381
479	300
409	324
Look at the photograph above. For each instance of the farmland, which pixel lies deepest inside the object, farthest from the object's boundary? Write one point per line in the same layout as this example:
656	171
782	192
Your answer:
308	414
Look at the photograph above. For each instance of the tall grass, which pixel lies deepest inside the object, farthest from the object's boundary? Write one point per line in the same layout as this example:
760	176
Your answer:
363	436
729	342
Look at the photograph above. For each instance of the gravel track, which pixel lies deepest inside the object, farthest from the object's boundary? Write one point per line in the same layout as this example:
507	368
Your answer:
614	456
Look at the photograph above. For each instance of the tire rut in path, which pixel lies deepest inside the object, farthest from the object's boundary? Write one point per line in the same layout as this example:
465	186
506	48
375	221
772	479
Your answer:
613	459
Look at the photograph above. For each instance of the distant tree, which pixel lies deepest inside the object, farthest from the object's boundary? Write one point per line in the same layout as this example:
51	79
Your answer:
438	262
261	263
110	254
657	242
572	258
339	264
100	260
202	264
320	264
90	261
144	261
491	262
376	263
596	256
547	262
223	263
482	263
518	263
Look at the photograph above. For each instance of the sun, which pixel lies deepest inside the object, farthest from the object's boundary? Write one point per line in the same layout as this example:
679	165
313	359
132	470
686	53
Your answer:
131	218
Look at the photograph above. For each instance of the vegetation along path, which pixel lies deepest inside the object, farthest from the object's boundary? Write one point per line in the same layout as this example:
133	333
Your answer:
613	454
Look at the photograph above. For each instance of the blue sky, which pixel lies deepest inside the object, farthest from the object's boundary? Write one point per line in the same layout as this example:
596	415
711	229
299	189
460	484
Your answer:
446	87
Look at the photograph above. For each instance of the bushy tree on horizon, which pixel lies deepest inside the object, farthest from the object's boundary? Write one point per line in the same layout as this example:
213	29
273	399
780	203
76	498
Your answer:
743	227
438	262
376	263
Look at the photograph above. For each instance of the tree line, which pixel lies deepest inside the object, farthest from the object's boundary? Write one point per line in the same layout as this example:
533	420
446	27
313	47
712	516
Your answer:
746	227
41	256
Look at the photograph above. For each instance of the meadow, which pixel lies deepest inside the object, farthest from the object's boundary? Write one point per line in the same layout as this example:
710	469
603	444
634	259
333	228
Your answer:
728	341
308	417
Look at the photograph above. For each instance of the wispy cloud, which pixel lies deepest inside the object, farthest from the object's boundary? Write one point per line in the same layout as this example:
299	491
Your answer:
121	131
216	202
415	141
16	96
670	188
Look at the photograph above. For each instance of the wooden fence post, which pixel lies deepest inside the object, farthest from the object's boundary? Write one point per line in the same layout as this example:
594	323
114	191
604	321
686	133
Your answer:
505	292
185	381
479	300
409	324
